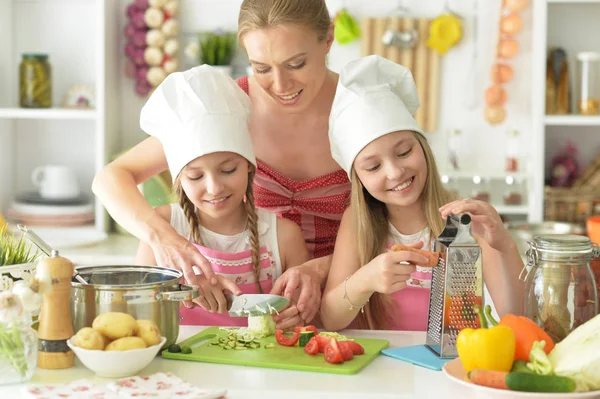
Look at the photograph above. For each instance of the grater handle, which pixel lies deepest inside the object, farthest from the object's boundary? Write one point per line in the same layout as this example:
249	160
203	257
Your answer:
463	218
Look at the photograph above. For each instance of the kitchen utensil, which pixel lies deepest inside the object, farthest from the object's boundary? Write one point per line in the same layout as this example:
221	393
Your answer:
45	248
560	287
456	286
400	39
145	292
55	325
255	304
56	181
278	357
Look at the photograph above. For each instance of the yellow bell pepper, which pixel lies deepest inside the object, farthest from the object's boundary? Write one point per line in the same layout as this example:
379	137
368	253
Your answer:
486	348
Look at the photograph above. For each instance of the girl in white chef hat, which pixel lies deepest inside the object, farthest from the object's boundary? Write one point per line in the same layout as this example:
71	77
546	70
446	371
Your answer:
397	198
201	118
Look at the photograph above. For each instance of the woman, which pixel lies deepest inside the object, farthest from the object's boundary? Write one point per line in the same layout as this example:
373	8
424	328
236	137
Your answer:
291	91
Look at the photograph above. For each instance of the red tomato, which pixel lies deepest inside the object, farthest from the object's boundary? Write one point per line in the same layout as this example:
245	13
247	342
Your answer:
285	340
299	329
346	350
312	347
333	354
356	348
323	341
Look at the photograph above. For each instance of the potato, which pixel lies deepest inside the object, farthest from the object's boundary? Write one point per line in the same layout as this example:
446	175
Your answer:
125	344
88	338
148	331
115	325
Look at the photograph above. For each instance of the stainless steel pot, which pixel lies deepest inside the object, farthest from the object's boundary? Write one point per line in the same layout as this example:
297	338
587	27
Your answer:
145	292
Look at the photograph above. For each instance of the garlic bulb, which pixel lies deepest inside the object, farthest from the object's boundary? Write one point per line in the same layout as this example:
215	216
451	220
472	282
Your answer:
155	38
153	56
170	28
10	307
170	66
172	47
156	75
171	8
30	300
154	17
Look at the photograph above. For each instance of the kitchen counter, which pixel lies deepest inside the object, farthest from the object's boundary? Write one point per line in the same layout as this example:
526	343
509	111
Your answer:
384	378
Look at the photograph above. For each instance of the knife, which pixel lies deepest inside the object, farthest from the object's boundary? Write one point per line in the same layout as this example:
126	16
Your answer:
255	304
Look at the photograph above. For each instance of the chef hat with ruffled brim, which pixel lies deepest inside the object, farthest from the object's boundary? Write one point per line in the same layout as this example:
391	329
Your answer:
374	97
198	112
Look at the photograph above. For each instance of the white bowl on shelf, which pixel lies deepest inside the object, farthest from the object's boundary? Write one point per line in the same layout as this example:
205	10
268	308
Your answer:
116	364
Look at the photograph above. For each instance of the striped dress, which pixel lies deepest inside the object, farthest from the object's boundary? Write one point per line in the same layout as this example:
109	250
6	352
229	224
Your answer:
315	204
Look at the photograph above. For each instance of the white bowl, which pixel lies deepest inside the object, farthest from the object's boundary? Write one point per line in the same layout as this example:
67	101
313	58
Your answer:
116	364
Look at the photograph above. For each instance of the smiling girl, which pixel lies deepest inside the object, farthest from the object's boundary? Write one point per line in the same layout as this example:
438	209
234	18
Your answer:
201	118
397	198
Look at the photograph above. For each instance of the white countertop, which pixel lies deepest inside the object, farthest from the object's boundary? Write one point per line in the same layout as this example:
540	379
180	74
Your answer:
384	378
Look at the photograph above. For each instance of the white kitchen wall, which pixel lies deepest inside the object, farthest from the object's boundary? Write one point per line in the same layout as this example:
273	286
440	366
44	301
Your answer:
486	143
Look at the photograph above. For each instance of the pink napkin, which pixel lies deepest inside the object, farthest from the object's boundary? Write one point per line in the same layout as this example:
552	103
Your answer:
81	389
162	385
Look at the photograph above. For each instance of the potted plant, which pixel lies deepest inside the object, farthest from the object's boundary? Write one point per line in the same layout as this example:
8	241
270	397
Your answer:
17	256
216	49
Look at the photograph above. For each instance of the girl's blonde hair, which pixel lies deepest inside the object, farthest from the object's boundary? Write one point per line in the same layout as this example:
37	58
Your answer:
189	209
370	219
259	14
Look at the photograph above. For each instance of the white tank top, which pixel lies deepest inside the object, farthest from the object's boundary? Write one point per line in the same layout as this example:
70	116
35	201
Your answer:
267	231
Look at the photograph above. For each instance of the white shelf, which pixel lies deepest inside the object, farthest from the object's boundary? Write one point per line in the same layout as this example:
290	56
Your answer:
573	1
500	175
512	209
572	120
48	113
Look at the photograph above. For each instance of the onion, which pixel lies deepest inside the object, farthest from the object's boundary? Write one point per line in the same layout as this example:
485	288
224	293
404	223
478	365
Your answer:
130	50
154	17
142	87
170	66
138	57
156	75
141	4
495	115
153	56
132	10
139	39
508	48
171	8
139	21
129	30
170	28
516	5
154	37
495	95
511	24
172	47
501	73
141	72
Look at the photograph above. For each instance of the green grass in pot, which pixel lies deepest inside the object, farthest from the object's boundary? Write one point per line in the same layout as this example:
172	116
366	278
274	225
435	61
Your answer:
15	251
217	48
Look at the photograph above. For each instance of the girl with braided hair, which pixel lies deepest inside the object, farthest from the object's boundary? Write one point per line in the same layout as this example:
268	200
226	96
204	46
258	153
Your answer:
201	118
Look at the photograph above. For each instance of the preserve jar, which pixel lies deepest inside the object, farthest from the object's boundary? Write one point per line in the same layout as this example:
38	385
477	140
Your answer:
560	287
35	81
589	82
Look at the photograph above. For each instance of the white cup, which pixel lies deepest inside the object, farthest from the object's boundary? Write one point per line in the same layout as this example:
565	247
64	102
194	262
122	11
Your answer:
55	181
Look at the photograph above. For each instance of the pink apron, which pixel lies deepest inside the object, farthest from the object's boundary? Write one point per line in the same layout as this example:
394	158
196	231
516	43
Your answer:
238	268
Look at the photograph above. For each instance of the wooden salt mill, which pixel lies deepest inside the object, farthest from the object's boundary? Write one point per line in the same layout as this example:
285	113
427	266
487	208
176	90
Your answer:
55	326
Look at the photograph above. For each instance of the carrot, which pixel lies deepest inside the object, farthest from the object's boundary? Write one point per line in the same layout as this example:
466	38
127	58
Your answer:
488	378
432	257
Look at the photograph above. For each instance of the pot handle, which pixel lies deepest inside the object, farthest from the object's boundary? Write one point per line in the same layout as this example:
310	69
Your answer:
184	293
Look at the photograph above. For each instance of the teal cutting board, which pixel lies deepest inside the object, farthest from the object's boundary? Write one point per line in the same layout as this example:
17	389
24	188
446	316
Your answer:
278	357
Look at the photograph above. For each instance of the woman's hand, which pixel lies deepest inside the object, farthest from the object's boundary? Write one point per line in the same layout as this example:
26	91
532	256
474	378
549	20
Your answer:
288	318
309	286
212	297
175	252
485	221
389	272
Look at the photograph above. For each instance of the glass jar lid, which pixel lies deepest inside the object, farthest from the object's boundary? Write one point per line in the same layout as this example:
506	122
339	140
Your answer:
562	247
37	56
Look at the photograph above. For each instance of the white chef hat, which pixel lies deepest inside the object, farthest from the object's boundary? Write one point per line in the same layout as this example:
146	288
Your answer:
197	112
374	97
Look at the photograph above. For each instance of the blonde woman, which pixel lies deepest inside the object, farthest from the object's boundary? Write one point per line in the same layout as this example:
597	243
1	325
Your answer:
291	91
397	198
201	118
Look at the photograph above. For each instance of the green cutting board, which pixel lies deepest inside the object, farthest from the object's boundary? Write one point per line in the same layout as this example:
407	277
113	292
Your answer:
278	357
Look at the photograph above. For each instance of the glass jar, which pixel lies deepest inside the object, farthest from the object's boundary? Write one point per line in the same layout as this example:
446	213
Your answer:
481	189
588	68
35	81
512	152
18	352
454	150
560	288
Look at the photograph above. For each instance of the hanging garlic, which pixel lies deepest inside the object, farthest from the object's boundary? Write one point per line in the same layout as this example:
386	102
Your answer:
10	307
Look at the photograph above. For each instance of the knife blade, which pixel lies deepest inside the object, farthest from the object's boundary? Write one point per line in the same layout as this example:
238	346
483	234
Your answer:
255	304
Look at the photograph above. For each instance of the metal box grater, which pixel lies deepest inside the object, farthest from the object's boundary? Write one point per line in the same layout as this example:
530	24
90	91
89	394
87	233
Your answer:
456	286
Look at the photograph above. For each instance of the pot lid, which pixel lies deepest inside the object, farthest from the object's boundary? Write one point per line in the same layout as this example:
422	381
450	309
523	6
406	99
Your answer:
125	276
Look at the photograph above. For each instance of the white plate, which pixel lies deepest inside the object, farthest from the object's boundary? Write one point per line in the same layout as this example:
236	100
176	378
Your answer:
454	371
32	209
59	238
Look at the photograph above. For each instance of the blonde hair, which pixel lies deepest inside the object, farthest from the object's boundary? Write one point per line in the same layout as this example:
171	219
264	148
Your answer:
370	219
189	210
259	14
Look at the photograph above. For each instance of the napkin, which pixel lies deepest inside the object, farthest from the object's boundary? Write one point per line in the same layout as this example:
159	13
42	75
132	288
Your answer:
161	385
80	389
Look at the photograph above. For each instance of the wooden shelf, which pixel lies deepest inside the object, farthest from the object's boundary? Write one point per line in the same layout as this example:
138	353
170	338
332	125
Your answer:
48	113
572	120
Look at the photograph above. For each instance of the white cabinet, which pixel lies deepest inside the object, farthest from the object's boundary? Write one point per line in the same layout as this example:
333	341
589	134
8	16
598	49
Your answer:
573	26
81	39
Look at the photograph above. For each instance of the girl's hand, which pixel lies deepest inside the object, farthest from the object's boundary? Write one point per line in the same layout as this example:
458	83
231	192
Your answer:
485	221
390	271
212	297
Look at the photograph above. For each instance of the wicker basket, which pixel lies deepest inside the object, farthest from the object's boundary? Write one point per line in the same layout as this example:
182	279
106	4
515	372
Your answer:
573	205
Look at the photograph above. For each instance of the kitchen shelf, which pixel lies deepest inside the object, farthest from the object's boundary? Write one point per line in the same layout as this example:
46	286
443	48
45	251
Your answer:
572	120
512	209
48	113
573	1
500	175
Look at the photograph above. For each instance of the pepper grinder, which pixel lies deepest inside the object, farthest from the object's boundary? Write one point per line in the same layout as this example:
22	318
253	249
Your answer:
55	326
